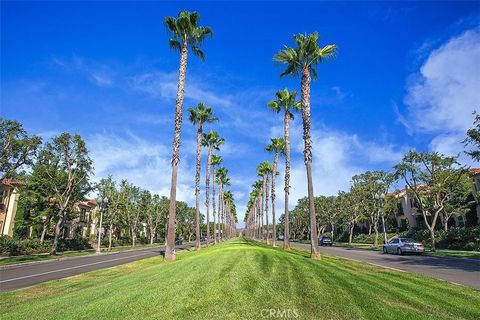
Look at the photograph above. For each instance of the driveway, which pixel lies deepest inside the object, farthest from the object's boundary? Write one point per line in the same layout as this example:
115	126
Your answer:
457	270
24	275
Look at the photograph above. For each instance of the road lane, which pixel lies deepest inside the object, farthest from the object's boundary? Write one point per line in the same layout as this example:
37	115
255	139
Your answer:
24	275
457	270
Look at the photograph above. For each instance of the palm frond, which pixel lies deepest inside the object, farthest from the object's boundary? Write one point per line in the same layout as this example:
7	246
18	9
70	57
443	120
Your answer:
174	45
198	52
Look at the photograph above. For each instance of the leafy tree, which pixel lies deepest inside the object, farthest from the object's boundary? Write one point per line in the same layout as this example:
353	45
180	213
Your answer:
64	166
302	60
285	101
277	146
185	32
473	138
199	116
16	147
429	177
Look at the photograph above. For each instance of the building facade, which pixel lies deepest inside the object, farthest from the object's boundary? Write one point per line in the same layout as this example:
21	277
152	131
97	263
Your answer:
8	207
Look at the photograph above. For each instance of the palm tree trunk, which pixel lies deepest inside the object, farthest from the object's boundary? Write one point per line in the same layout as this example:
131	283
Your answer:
286	236
213	206
207	191
267	198
170	247
307	139
262	212
220	207
274	235
110	232
197	187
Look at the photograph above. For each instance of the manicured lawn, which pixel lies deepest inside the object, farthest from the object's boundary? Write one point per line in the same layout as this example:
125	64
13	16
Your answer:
243	279
60	255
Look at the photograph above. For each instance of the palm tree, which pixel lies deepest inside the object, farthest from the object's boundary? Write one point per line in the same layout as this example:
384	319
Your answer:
285	101
302	60
216	161
212	141
198	116
264	170
185	32
277	146
258	189
222	180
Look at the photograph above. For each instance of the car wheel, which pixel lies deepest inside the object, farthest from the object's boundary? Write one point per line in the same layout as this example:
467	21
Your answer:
399	251
385	250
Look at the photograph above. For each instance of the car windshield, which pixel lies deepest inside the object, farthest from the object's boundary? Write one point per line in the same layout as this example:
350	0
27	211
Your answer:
326	238
408	240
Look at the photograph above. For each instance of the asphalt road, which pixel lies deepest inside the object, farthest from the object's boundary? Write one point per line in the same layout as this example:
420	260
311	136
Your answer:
24	275
457	270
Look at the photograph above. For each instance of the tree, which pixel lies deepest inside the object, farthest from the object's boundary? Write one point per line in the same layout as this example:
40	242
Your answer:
200	115
65	165
222	180
278	147
459	193
216	161
302	60
265	170
212	141
473	138
107	190
16	147
132	197
185	32
429	177
285	101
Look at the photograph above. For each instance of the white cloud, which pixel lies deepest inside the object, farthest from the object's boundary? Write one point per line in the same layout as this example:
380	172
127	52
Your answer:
441	98
337	156
141	162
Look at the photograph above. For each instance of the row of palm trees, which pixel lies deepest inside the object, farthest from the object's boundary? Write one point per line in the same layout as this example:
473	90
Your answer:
187	35
301	61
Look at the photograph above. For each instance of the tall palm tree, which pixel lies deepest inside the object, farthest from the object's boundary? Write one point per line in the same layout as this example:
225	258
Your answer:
198	116
277	146
258	187
221	181
285	101
302	60
212	141
264	170
185	32
216	161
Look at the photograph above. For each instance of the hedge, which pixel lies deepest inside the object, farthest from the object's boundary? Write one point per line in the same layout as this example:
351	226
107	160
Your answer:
15	247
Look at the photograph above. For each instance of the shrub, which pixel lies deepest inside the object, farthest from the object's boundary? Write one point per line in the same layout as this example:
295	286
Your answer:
14	247
454	239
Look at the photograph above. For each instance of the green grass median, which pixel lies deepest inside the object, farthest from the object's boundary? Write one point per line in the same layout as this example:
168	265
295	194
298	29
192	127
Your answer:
243	279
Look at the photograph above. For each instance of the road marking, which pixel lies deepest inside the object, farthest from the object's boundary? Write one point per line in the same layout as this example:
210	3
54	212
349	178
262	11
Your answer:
71	268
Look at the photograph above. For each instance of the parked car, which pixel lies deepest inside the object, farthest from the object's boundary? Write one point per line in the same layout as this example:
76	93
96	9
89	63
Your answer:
403	245
325	241
178	241
203	239
280	238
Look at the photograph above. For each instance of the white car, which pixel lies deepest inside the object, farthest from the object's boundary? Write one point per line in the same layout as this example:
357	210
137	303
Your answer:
403	245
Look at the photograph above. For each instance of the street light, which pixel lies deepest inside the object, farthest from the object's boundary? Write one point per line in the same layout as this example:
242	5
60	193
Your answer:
103	207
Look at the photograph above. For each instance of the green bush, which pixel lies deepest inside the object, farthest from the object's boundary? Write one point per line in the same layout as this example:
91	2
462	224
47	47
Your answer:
454	239
14	247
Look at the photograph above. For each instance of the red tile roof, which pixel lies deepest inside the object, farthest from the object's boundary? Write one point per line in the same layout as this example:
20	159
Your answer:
474	171
11	182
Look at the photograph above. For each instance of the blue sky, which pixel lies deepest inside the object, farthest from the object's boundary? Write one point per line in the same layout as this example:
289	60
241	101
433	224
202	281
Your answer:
406	76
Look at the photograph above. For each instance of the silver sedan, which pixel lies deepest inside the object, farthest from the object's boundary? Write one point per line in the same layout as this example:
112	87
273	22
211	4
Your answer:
403	245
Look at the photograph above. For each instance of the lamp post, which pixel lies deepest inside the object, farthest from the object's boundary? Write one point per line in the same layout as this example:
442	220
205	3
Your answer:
103	207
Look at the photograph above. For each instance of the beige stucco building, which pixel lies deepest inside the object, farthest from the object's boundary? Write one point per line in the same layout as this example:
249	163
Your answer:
8	207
